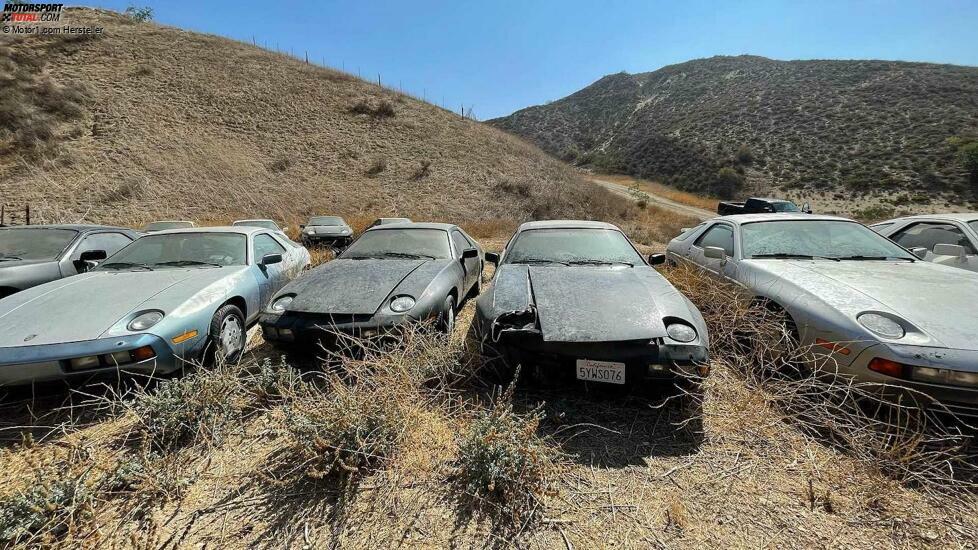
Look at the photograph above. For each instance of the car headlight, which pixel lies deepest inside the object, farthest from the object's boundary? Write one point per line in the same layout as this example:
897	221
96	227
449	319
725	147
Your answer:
681	333
401	304
280	305
884	326
310	231
145	320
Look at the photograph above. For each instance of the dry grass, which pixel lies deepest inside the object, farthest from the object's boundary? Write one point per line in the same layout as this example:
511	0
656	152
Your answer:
663	190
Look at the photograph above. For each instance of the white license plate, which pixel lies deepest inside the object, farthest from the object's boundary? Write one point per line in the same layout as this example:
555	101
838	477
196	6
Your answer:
601	371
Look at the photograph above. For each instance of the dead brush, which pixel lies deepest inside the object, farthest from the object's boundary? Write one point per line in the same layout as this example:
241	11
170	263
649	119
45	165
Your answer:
502	461
57	505
920	446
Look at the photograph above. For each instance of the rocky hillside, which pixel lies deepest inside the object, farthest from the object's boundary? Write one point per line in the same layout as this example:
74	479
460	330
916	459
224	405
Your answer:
841	127
151	122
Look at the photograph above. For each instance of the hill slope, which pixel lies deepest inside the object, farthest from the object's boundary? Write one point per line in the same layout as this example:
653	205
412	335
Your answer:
849	126
154	122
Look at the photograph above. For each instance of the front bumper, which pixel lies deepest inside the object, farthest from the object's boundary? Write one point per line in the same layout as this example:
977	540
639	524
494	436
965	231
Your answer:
644	360
328	330
329	240
958	399
29	364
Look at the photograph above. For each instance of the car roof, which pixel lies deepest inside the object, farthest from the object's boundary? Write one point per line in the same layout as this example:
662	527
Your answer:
566	224
782	216
71	226
955	216
242	229
414	225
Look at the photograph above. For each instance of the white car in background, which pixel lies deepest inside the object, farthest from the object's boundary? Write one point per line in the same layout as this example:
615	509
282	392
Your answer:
947	239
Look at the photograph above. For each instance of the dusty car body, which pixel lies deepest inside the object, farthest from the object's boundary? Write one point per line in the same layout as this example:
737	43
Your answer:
326	230
165	225
947	239
167	298
870	307
389	276
575	299
35	254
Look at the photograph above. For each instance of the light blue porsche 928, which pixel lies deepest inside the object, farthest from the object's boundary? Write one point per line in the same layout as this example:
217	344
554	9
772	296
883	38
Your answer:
167	298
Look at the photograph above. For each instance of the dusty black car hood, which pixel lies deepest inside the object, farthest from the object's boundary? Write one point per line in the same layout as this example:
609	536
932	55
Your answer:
590	304
358	286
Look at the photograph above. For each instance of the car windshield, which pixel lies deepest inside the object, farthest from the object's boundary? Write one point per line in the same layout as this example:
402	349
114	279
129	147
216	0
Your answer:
326	220
266	224
817	239
34	244
784	206
399	243
173	250
572	246
163	226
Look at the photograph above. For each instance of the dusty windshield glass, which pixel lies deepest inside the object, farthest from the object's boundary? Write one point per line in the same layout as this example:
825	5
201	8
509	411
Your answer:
400	243
817	238
326	220
570	246
974	225
34	244
181	250
784	206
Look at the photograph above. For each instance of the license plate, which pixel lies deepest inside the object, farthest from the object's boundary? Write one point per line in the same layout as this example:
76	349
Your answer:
601	371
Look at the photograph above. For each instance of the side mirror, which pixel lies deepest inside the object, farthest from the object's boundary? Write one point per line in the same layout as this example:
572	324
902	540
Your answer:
806	208
715	253
269	259
492	258
657	259
950	250
919	252
93	256
470	253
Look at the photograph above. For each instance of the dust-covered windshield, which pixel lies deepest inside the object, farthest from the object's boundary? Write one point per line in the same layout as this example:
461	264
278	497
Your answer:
785	206
974	225
399	244
817	239
179	250
581	246
34	244
326	221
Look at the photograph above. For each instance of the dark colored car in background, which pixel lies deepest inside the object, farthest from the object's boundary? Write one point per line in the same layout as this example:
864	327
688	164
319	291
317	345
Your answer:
326	230
165	225
756	205
388	221
34	254
389	276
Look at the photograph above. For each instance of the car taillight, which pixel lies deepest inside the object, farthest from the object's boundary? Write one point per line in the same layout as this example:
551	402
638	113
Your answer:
887	367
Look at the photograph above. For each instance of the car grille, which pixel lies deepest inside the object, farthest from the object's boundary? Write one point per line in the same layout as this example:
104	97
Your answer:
326	320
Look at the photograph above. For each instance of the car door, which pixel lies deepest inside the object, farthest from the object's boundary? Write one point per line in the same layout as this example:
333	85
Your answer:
109	241
470	266
929	234
271	278
720	235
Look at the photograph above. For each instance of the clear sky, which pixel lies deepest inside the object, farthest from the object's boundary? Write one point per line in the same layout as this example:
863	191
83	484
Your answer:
500	56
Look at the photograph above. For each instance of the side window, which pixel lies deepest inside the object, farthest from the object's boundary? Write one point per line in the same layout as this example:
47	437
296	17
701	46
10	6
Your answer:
928	234
461	243
109	242
686	234
719	235
265	244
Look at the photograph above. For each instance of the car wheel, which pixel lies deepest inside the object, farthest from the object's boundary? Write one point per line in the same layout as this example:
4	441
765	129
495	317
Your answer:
228	334
446	319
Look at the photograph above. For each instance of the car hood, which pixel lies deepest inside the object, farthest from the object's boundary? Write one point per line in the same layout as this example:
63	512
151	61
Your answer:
938	300
590	304
85	306
328	229
357	286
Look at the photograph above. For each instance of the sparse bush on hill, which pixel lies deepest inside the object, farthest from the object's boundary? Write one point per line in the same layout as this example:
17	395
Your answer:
729	183
139	14
967	154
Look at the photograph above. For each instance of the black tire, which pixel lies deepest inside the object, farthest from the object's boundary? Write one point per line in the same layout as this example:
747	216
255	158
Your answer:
227	342
446	318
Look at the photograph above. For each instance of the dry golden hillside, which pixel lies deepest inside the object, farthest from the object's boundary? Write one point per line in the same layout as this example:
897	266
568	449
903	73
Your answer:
153	122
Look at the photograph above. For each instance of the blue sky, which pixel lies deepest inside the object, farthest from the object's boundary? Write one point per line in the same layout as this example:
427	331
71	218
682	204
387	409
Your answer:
500	56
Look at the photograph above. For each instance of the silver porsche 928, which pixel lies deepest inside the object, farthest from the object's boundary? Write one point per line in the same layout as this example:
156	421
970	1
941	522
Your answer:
875	309
168	297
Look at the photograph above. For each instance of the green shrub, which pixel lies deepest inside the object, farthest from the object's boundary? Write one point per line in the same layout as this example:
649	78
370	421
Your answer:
49	508
139	14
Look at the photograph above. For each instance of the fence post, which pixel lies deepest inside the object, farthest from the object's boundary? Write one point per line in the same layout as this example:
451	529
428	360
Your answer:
27	210
2	213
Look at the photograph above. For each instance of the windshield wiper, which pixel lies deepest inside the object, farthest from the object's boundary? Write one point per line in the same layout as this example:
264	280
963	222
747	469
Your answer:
5	258
125	265
184	263
408	255
780	256
600	262
879	258
537	261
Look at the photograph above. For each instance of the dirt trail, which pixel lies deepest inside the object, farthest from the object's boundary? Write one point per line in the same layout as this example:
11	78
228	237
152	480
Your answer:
658	200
